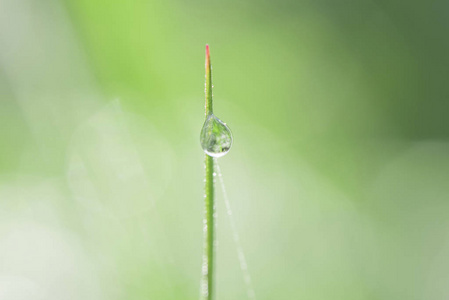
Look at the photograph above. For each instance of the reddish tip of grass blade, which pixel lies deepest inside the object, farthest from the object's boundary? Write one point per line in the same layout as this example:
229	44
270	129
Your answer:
207	55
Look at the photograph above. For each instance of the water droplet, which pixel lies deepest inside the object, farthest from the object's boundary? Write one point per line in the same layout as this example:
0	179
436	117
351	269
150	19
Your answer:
215	137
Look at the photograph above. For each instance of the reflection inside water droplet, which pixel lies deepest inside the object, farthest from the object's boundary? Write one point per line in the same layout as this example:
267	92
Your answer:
215	137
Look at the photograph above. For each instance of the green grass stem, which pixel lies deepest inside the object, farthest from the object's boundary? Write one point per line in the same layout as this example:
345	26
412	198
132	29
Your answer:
209	205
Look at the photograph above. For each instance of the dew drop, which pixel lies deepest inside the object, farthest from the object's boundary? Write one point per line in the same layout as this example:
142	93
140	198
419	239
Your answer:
215	137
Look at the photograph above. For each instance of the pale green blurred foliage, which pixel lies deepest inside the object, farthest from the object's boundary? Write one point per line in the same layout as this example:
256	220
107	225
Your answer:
337	176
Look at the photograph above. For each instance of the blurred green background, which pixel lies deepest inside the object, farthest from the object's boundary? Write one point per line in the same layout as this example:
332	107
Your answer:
338	176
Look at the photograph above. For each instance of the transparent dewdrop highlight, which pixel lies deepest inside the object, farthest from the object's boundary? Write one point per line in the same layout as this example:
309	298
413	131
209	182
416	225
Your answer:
215	137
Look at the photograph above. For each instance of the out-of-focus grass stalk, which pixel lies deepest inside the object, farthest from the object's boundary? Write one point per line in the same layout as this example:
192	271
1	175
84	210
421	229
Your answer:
209	205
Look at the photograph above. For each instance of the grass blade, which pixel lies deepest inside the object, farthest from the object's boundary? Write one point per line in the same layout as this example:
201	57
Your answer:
209	205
